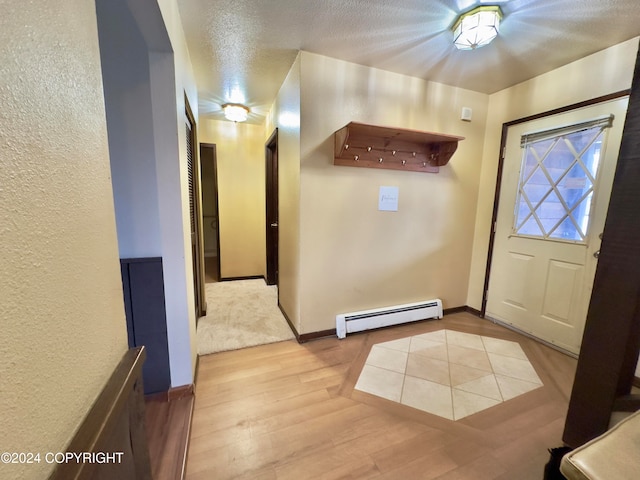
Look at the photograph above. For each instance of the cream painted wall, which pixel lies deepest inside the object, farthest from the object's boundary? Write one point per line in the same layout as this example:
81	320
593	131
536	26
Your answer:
605	72
147	73
172	80
353	256
241	195
285	116
61	307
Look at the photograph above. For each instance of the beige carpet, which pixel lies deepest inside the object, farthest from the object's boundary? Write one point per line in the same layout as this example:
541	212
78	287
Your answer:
241	313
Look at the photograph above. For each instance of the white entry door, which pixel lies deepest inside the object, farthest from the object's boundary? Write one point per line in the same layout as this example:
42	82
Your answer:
556	183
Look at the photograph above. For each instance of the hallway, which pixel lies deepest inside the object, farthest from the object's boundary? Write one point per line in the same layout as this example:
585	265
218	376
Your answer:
240	314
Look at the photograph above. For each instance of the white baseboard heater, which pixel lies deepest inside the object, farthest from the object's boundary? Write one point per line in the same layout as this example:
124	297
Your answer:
386	316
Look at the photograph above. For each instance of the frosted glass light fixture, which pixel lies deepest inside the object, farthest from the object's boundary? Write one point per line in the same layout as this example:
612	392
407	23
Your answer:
235	112
477	27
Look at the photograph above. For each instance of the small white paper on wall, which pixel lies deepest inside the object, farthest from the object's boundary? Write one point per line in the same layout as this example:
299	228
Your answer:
388	199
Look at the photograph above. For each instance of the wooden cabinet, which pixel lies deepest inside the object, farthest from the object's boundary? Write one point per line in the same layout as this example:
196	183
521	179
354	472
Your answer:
371	146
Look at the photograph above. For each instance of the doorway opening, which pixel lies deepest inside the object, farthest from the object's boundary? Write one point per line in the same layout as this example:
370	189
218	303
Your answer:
210	223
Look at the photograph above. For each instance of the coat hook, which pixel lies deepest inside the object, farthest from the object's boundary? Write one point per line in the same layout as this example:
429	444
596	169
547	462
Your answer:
356	157
404	162
346	146
393	153
414	154
368	149
380	160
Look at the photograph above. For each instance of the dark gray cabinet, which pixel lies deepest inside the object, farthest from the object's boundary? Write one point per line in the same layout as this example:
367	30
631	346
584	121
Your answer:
143	288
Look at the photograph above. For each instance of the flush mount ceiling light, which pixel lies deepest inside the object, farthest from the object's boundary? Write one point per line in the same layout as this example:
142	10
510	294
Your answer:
477	28
235	112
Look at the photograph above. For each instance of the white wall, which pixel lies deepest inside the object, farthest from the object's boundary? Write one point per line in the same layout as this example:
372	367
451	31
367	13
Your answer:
127	92
61	307
352	256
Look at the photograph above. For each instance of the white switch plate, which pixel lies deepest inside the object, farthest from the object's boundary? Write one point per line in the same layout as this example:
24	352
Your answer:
466	114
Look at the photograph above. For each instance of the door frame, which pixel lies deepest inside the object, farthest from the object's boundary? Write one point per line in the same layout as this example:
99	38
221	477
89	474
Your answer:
198	251
212	146
503	144
272	236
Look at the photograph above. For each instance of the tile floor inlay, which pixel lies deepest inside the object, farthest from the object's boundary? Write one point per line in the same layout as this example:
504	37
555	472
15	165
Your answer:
447	373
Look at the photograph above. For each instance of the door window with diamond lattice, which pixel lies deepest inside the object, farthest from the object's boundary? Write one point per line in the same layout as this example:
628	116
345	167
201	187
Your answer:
557	180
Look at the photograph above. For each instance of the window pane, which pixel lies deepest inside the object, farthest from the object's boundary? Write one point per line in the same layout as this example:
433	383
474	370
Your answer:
530	163
580	140
551	212
566	231
575	185
558	160
557	180
591	158
535	192
530	227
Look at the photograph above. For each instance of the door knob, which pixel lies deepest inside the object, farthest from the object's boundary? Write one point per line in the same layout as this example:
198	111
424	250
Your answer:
274	224
596	254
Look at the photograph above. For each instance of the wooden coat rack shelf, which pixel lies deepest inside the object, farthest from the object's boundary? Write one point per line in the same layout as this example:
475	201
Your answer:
361	145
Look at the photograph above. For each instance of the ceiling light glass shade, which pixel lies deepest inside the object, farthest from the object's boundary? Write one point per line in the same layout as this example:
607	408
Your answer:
477	27
235	112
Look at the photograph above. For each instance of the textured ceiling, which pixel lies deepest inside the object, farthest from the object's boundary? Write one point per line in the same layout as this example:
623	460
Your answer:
241	50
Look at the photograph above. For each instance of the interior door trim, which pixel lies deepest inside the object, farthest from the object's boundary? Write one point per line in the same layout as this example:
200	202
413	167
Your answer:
198	261
503	143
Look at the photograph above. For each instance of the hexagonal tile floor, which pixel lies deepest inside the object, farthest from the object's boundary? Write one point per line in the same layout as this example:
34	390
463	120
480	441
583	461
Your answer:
447	373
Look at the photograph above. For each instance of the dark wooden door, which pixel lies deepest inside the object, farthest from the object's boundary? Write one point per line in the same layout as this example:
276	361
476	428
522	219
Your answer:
272	208
611	341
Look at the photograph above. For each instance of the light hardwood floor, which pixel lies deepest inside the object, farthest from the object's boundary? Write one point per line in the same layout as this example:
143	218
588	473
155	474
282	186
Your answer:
167	425
290	411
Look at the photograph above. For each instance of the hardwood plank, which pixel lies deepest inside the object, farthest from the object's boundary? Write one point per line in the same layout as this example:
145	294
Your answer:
483	468
325	462
427	466
411	450
235	459
168	429
255	412
375	433
286	410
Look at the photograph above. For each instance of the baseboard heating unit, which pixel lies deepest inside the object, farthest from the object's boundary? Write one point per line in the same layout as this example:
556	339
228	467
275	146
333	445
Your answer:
387	316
